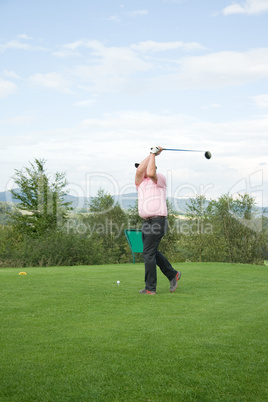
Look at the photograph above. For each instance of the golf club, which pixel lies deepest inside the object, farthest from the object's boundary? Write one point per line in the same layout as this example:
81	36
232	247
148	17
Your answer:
207	153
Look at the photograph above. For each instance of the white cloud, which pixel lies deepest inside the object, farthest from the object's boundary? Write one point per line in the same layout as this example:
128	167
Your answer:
250	7
7	88
261	101
136	13
25	37
69	49
174	1
50	81
14	44
133	121
123	138
152	46
110	68
98	49
121	68
212	106
146	127
85	103
11	74
217	70
66	53
18	120
114	18
72	49
18	45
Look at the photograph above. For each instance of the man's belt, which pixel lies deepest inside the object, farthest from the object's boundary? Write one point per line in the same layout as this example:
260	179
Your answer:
154	217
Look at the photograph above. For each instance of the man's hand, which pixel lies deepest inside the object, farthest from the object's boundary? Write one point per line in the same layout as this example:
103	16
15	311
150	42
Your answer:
156	150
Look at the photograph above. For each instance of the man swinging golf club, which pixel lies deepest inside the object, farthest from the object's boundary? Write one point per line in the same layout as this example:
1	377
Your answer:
152	208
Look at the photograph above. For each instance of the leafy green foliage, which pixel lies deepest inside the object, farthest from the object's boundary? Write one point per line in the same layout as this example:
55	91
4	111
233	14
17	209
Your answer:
55	248
226	230
200	229
106	223
41	205
5	210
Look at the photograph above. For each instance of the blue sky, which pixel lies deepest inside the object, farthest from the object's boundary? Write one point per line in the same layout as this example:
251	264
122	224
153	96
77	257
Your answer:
90	86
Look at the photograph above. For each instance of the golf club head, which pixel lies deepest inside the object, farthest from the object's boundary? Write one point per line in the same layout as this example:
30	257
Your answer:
208	155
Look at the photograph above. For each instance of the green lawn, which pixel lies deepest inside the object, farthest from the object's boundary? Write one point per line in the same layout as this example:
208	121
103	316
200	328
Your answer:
73	334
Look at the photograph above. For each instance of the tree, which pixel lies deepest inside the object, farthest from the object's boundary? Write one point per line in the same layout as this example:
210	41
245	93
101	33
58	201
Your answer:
41	204
199	225
237	223
228	229
105	224
170	243
134	220
103	203
5	209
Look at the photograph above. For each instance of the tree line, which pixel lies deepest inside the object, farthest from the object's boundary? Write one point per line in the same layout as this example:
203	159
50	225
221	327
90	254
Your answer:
43	230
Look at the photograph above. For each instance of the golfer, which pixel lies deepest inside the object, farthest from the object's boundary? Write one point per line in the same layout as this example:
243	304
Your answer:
152	208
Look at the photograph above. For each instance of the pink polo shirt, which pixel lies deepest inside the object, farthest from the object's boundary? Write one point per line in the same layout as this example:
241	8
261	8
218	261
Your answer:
152	197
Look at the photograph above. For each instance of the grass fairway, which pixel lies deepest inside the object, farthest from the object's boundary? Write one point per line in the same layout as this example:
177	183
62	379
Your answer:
73	334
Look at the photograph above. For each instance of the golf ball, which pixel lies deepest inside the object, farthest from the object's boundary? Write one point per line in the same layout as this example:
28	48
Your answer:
118	282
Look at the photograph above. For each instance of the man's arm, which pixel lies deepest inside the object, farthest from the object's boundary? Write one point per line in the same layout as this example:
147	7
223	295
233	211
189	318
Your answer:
141	170
151	168
148	168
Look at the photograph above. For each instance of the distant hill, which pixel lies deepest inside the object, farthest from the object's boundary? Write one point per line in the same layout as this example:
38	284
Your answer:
126	201
78	202
6	196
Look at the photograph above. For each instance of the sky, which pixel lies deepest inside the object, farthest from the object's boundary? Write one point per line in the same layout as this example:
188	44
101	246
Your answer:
90	86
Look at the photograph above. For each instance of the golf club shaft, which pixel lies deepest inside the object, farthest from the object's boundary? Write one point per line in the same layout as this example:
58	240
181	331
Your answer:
182	150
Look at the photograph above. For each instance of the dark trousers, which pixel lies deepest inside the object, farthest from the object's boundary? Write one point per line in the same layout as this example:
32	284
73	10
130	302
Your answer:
152	232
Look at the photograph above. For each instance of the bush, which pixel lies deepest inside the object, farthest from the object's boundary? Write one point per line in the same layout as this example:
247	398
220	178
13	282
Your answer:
53	249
